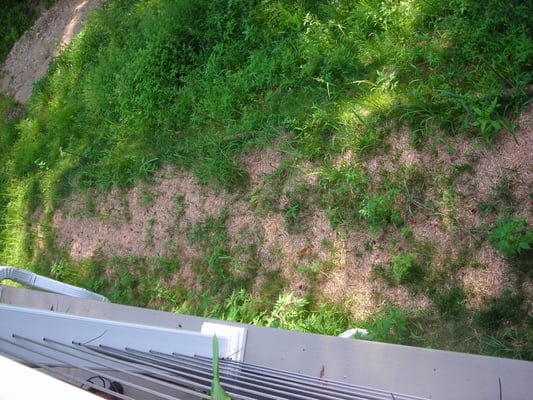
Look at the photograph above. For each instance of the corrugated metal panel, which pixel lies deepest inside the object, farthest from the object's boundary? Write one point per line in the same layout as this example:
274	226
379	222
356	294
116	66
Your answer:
426	373
156	375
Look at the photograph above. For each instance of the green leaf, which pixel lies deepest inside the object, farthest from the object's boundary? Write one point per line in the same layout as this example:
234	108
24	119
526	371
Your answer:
525	246
217	392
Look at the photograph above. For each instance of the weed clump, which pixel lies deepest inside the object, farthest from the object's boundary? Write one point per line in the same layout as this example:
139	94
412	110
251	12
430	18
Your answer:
405	269
390	325
511	237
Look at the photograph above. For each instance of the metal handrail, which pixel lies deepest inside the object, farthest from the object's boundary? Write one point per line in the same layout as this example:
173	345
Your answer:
35	281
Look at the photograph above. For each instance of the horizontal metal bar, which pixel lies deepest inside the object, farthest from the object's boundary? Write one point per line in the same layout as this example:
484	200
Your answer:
235	378
259	382
148	373
33	280
337	388
173	374
69	378
51	357
110	376
153	369
20	382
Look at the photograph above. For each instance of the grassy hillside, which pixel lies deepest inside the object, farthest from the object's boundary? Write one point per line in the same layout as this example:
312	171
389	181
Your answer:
198	85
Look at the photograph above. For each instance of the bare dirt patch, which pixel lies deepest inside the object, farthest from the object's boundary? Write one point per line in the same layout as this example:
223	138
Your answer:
53	31
156	219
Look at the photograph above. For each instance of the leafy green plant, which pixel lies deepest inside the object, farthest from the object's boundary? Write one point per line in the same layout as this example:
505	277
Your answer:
381	210
390	325
241	307
405	269
217	391
292	312
287	312
64	272
486	122
511	236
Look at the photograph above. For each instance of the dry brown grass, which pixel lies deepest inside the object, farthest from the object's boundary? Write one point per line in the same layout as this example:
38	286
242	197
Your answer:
121	222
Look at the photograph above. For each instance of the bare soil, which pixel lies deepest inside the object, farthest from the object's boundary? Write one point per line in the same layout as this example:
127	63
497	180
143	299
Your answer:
125	224
29	58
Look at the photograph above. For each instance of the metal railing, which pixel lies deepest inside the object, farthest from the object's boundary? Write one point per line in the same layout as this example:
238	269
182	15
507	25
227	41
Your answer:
126	373
34	281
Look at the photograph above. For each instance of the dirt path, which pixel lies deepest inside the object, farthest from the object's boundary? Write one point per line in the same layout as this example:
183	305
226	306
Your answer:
29	58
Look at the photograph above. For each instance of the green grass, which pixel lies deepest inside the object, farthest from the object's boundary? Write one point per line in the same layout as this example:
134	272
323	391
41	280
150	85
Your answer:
199	99
197	84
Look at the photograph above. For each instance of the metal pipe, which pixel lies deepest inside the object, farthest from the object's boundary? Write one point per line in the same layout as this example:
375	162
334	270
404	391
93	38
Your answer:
35	281
356	333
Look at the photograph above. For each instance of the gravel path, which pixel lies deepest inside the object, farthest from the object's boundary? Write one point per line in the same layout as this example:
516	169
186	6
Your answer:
28	60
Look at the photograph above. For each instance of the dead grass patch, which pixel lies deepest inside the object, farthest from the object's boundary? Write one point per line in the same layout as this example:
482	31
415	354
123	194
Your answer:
155	220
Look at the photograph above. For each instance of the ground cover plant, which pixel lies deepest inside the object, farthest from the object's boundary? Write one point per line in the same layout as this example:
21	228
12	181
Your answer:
295	164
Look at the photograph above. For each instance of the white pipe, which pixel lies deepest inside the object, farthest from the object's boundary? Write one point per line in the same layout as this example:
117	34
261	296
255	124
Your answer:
356	333
32	280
